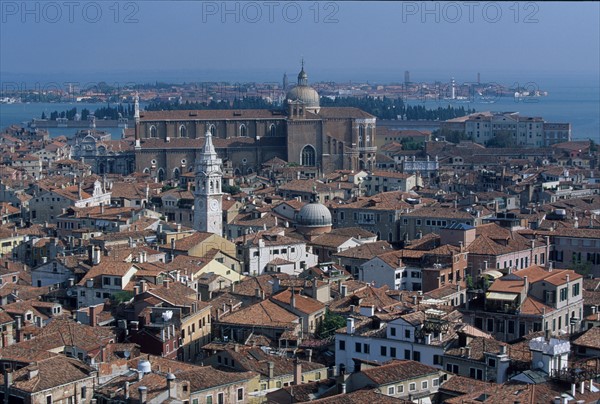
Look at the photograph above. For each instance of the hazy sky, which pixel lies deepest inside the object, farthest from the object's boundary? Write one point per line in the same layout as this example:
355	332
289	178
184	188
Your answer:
152	39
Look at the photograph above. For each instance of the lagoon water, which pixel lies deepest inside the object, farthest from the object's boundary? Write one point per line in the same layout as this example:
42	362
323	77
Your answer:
570	99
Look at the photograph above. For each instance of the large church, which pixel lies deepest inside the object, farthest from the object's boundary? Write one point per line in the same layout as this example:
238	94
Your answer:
317	139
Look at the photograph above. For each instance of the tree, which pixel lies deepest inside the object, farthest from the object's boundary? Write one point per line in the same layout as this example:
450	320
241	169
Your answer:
329	324
230	189
501	139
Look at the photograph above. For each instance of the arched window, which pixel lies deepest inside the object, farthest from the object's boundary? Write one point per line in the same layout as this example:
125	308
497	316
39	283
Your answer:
182	131
146	171
160	175
243	130
213	130
176	173
272	130
308	156
361	135
153	131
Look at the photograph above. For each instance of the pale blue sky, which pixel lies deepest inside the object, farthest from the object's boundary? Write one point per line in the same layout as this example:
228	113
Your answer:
362	40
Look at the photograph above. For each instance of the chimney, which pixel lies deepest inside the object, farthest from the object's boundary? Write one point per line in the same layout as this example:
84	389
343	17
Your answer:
573	389
93	319
343	290
171	385
143	394
350	325
550	266
297	372
18	322
126	390
309	354
8	378
96	256
166	283
271	366
293	299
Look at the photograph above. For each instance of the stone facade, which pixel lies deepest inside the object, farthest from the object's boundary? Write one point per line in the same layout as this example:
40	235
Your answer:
318	139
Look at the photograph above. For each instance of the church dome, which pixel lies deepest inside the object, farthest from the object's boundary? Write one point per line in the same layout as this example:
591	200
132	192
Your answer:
306	94
303	92
314	215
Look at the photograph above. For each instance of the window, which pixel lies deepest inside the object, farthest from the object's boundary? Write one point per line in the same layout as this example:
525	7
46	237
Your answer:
476	373
435	382
436	359
400	388
209	399
383	350
220	398
106	280
240	394
412	387
424	384
308	156
391	391
407	354
393	352
406	333
367	348
417	356
393	331
358	347
342	345
564	294
511	326
576	290
492	362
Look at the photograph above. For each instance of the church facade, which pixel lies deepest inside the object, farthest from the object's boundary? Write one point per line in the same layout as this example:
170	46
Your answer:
317	139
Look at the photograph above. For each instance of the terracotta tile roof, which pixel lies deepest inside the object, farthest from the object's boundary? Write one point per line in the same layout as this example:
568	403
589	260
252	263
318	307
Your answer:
52	372
265	313
365	251
397	371
256	360
177	294
302	303
524	393
589	339
507	286
107	268
187	243
361	397
533	306
439	212
207	377
478	346
464	385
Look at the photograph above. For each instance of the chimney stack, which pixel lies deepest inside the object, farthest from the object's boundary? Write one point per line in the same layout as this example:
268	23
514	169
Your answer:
143	394
350	325
297	372
271	366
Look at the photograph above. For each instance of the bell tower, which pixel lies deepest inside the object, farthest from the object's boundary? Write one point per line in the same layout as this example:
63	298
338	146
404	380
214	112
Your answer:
208	211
